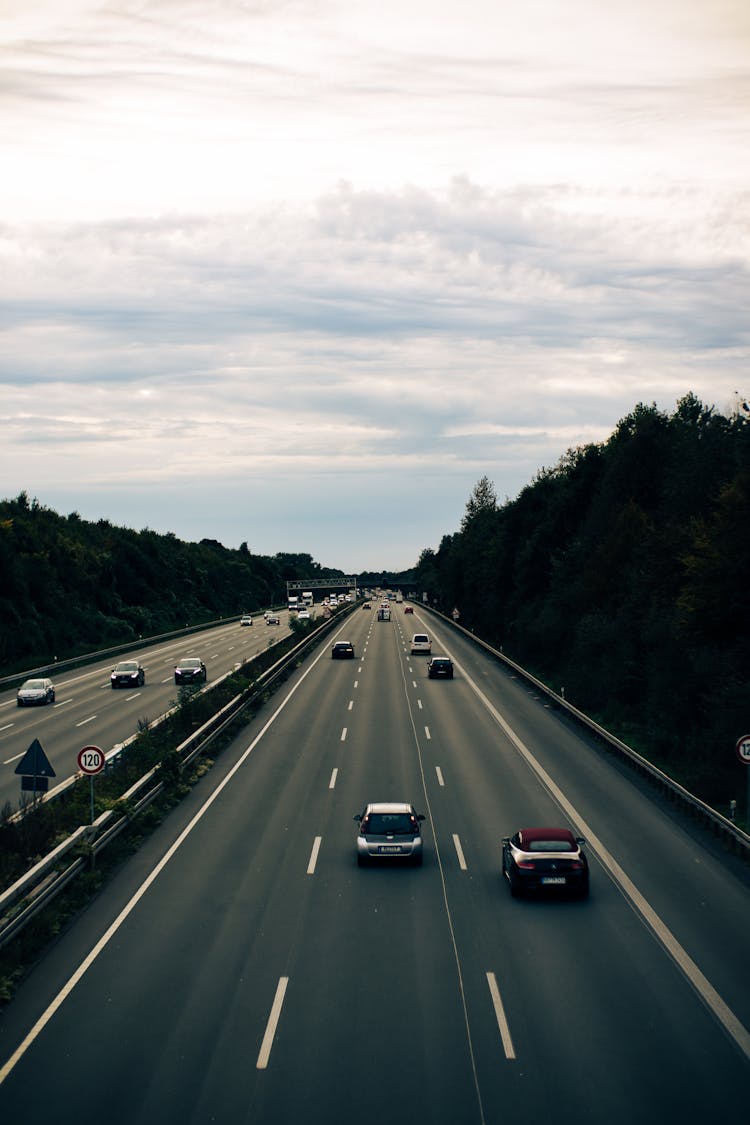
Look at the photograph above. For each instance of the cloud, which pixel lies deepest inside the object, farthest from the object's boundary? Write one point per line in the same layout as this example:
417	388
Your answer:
300	261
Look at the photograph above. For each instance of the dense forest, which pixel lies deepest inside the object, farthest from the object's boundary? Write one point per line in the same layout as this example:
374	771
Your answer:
621	575
70	586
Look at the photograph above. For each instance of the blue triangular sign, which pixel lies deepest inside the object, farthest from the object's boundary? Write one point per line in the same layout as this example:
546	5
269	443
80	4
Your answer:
35	762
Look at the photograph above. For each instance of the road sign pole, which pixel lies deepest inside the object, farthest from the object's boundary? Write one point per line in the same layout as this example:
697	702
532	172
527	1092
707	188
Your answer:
91	761
742	749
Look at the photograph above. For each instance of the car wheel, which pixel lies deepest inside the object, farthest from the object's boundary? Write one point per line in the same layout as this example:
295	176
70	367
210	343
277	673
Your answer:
360	861
515	888
417	860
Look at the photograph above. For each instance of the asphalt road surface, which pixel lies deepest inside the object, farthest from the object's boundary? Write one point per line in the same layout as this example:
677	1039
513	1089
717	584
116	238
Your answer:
242	968
88	711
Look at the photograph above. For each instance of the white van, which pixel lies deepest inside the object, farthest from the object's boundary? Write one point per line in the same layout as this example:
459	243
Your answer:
420	642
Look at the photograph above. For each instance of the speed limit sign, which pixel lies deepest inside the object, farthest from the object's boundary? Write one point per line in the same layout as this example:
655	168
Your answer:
743	749
91	760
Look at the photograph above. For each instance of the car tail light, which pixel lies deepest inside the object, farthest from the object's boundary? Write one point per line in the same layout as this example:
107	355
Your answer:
526	864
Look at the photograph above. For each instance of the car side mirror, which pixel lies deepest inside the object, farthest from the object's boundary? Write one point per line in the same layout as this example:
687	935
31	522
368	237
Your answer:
420	816
580	841
506	840
358	818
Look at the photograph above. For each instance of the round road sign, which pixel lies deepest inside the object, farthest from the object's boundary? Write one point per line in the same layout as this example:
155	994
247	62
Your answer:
91	759
743	749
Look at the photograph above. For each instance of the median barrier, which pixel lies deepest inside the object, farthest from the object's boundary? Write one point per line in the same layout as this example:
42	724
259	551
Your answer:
40	885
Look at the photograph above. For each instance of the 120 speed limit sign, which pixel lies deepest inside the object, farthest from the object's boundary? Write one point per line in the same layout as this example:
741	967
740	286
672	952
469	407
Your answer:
91	759
743	749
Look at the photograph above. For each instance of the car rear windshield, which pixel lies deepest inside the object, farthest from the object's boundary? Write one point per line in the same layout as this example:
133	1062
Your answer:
550	846
34	685
382	824
421	637
127	666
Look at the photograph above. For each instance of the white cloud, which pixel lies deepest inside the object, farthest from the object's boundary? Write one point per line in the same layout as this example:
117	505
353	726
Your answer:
263	252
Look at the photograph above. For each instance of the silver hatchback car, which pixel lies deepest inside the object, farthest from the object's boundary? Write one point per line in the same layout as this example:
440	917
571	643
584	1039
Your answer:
389	830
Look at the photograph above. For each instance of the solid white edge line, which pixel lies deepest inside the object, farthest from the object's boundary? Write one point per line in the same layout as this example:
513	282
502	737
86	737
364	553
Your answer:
104	940
502	1023
706	991
273	1020
459	851
314	855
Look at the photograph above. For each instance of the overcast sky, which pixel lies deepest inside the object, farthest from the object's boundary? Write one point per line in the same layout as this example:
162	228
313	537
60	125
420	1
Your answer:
300	273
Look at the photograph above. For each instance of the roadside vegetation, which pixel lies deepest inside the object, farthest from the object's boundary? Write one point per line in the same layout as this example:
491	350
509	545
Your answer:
71	586
621	576
26	839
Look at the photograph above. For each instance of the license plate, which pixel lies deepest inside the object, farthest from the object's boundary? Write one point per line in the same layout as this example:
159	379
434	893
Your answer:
556	879
386	848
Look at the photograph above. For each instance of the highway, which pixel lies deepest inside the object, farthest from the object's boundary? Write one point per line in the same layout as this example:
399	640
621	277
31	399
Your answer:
241	968
88	711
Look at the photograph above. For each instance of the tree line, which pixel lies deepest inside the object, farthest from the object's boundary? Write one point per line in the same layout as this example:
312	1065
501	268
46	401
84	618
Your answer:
621	576
71	586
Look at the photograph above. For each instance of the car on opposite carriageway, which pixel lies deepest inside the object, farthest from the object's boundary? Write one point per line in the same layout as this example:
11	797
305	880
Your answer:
35	691
190	670
127	673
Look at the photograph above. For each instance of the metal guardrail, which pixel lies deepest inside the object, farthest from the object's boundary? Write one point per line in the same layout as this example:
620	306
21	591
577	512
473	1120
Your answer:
127	646
40	885
731	835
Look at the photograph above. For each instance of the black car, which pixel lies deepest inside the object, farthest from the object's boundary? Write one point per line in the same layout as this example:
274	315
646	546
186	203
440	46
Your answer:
440	667
128	673
342	650
191	670
545	859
